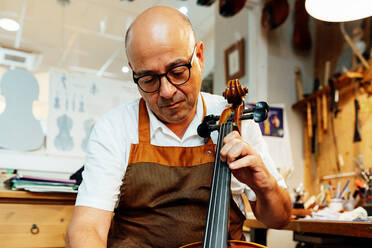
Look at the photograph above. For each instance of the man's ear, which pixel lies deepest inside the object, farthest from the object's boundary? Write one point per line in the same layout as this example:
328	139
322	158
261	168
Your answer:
200	55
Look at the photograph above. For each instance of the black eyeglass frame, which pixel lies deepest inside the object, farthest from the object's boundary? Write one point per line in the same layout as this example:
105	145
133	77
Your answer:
159	76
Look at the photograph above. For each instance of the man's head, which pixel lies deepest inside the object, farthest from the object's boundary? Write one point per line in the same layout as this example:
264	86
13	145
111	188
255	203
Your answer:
160	39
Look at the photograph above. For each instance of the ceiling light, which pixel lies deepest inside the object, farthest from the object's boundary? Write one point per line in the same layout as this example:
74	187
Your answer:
63	2
9	24
183	10
339	10
125	69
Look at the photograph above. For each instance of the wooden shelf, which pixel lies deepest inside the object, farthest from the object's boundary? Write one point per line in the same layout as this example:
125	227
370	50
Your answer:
341	82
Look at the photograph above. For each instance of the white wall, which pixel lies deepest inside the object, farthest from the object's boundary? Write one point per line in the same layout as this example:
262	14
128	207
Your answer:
282	60
228	31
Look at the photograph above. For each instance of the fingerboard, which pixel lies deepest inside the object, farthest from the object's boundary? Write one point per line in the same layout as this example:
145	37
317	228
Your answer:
216	229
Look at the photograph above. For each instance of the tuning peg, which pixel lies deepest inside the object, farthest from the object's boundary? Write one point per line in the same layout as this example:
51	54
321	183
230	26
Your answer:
258	106
262	105
204	129
260	115
208	125
257	116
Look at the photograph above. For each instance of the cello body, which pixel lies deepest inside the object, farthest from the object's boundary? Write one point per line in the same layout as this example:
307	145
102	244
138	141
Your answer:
230	244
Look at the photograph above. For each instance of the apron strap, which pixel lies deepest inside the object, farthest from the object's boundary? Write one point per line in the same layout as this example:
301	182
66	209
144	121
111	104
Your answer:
144	122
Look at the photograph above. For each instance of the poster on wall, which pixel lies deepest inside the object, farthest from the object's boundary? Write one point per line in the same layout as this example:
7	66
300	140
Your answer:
75	104
273	125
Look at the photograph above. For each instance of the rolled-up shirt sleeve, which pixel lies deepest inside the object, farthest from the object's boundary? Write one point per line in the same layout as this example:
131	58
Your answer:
103	172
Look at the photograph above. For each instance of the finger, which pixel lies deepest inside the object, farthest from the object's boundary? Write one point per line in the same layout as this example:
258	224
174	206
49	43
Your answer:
231	136
227	147
234	135
237	150
246	161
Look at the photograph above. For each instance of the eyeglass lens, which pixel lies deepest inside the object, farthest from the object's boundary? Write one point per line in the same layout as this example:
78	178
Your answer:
177	75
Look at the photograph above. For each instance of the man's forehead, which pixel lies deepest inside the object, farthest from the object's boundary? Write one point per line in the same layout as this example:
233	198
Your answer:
160	23
160	38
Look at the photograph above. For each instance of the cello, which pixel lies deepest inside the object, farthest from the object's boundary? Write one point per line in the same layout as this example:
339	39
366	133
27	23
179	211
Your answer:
216	229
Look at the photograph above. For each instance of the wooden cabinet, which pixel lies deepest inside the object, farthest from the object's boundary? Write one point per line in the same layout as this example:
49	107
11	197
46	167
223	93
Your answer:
34	219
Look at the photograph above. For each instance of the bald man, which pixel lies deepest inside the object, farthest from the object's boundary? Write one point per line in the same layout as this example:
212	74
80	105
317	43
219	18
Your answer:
147	175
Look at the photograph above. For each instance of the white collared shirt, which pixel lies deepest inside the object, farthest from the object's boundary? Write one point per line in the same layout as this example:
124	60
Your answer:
111	138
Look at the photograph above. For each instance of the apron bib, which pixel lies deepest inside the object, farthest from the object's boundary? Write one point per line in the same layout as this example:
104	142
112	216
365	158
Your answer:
165	193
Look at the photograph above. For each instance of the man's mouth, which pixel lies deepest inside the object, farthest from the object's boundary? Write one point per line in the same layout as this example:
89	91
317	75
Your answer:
171	105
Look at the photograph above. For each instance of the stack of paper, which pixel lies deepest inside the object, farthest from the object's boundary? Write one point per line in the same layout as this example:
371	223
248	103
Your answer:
41	184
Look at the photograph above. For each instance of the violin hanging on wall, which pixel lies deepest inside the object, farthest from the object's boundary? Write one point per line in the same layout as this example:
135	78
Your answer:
301	32
217	222
205	2
274	13
228	8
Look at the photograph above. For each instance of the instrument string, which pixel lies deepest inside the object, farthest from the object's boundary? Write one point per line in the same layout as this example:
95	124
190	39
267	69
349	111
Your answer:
217	224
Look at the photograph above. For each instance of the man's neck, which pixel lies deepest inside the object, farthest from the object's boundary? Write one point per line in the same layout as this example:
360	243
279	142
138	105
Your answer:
180	128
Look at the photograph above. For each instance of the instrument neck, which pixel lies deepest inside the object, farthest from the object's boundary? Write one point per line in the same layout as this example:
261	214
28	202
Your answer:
216	230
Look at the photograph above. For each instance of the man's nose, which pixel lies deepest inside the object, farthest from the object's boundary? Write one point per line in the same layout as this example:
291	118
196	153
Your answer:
167	90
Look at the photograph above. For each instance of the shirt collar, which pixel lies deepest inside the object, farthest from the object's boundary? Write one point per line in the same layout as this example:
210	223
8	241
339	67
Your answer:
158	126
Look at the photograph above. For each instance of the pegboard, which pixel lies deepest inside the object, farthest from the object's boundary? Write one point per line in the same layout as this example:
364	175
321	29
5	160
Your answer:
323	162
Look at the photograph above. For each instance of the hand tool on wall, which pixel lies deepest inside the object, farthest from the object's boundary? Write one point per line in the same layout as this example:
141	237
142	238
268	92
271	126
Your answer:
324	96
353	46
334	109
357	137
309	120
319	119
325	112
298	80
316	85
314	150
339	175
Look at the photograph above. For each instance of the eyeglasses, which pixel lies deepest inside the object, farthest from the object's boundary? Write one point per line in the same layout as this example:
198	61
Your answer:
177	75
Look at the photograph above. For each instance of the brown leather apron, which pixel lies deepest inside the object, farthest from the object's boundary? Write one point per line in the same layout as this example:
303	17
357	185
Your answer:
165	193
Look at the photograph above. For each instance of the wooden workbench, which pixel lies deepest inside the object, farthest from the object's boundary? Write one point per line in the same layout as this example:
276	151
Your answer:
343	230
34	219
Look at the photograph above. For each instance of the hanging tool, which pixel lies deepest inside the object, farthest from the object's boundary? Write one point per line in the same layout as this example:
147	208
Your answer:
319	119
324	96
334	109
357	136
298	80
309	120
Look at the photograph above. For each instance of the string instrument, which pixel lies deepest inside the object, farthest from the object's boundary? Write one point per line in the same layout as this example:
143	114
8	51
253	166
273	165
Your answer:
274	13
301	32
228	8
216	230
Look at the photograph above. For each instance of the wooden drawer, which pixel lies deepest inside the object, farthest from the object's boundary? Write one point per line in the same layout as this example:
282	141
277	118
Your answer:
49	222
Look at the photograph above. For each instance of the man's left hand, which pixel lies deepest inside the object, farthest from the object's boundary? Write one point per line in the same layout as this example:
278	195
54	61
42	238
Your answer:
272	206
246	164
